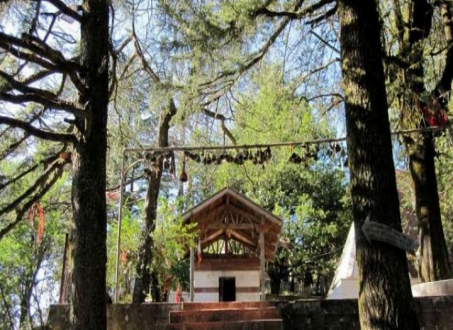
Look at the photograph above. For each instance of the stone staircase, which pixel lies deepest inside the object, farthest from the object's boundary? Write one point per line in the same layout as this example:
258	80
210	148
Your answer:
226	316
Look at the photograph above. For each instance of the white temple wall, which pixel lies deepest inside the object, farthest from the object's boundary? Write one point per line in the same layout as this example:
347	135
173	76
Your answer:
206	284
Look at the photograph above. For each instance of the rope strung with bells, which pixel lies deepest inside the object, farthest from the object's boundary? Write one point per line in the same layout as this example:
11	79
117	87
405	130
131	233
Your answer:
216	155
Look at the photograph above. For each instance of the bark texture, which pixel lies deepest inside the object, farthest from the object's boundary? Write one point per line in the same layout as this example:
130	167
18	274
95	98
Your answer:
89	255
434	260
385	299
147	280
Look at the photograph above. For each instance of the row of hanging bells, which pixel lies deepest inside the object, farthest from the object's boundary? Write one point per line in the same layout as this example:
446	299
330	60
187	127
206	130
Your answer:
258	157
153	159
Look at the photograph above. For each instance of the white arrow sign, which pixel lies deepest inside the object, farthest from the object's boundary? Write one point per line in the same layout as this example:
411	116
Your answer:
379	232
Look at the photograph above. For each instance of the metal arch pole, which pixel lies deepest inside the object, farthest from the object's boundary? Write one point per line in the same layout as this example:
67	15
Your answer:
192	266
118	240
262	263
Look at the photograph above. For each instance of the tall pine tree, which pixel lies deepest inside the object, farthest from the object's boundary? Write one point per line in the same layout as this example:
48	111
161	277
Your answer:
385	299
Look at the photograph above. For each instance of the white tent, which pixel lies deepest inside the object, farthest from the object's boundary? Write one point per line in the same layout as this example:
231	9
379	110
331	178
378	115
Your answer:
344	284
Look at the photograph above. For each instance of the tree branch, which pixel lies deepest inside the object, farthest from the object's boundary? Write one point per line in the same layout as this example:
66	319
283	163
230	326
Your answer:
294	14
12	147
325	42
324	16
61	6
36	77
444	84
33	200
145	64
222	119
31	169
39	182
40	48
14	84
57	104
51	136
28	56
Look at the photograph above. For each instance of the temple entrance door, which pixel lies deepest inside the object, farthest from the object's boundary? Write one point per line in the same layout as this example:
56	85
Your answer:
227	289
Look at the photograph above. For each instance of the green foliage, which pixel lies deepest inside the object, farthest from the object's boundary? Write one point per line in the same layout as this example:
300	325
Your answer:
130	240
172	240
444	166
30	272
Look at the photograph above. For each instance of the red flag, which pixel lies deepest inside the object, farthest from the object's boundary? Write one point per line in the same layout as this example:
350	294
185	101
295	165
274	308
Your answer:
42	221
199	252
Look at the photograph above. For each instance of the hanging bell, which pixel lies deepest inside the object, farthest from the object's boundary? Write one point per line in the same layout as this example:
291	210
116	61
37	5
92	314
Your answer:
166	163
314	156
173	165
183	177
147	172
346	162
268	153
295	158
155	167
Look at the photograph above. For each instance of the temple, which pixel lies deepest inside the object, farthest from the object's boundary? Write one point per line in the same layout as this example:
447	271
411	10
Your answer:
235	239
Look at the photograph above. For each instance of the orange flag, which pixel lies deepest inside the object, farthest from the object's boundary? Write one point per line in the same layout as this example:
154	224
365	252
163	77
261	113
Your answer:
42	221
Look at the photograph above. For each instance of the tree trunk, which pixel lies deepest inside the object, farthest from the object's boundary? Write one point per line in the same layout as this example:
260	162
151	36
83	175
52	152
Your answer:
88	308
147	279
434	260
385	299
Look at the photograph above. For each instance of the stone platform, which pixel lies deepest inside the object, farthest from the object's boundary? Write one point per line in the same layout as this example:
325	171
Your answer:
226	316
434	313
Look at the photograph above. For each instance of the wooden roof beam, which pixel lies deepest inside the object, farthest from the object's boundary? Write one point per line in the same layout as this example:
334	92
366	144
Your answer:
232	226
241	236
213	236
244	213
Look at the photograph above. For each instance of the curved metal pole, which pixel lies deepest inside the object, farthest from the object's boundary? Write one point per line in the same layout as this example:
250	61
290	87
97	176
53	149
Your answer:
118	240
120	214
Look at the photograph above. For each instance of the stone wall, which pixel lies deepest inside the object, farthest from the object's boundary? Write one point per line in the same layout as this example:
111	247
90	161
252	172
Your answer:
435	313
438	288
120	317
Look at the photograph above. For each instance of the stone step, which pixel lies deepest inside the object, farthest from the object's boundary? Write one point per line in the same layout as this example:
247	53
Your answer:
274	324
187	306
224	315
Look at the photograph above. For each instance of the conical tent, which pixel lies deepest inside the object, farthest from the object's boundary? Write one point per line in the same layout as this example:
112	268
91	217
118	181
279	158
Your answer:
344	284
